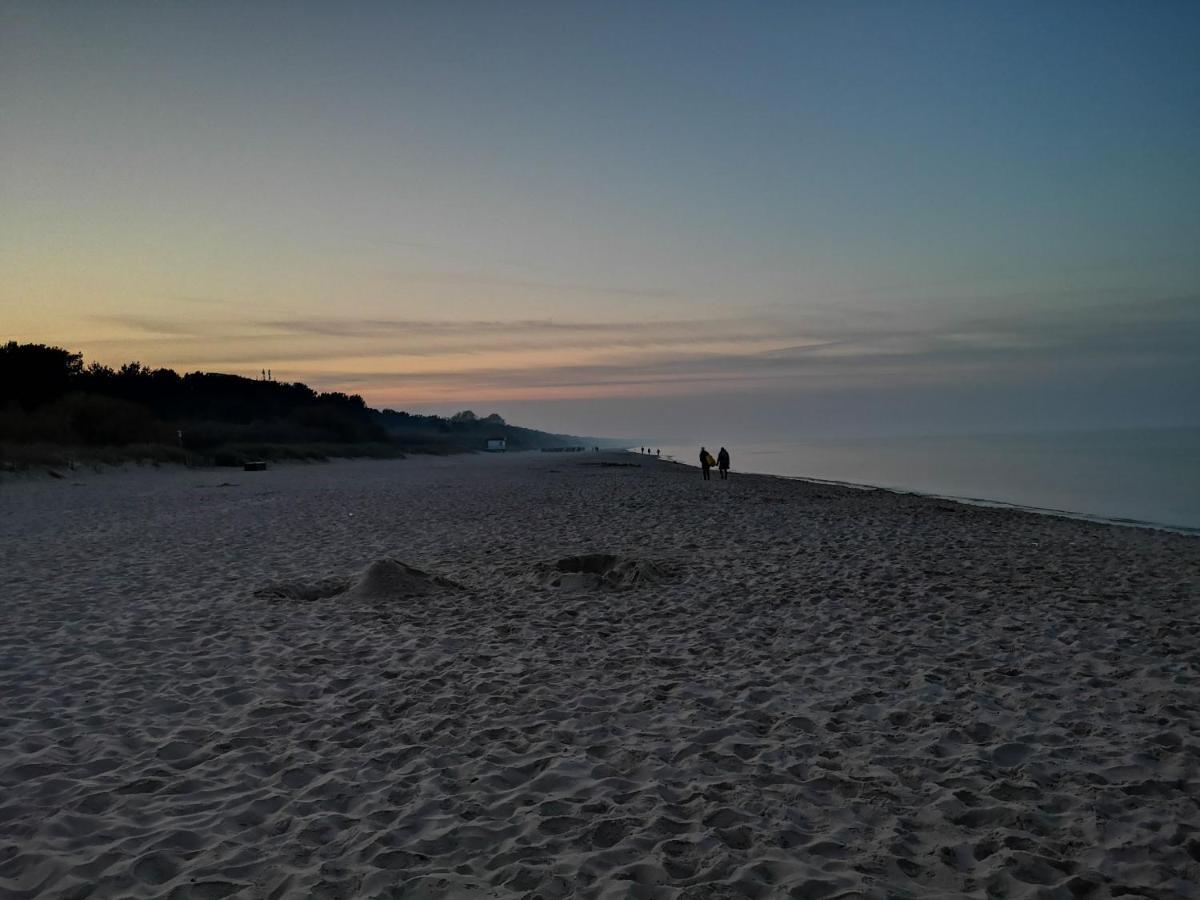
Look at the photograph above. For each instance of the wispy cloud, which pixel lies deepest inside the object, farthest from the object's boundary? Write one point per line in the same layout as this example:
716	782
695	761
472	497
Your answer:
323	338
356	327
161	325
533	357
1131	335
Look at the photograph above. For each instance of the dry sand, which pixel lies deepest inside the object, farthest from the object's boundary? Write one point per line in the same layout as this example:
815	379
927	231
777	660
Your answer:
525	676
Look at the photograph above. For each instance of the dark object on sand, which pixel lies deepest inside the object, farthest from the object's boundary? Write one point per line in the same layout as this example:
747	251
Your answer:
257	465
385	579
601	571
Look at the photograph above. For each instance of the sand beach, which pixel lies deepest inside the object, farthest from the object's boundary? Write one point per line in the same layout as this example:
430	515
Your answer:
585	675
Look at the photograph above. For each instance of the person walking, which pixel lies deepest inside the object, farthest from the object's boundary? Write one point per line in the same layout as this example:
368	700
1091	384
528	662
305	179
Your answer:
723	463
706	462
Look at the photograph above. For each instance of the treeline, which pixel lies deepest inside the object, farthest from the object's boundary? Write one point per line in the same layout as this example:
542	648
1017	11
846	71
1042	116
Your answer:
48	396
465	430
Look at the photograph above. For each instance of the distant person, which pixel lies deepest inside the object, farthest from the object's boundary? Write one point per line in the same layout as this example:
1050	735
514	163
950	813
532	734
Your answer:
723	463
706	462
658	453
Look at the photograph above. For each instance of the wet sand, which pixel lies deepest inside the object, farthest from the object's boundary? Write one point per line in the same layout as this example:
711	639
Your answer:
538	676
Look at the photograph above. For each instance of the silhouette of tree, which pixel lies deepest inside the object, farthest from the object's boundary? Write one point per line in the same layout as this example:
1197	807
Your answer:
33	374
47	394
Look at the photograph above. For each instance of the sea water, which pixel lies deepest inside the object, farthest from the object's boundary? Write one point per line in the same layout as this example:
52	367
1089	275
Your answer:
1137	476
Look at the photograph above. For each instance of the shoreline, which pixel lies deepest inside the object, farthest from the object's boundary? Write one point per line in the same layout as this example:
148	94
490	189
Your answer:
982	502
45	474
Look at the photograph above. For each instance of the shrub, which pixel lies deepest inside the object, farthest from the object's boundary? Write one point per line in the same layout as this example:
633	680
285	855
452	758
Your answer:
97	421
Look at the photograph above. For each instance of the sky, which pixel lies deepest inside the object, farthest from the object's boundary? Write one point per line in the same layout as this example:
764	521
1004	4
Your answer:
660	219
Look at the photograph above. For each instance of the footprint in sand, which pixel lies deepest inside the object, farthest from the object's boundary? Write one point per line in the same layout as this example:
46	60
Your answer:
1011	755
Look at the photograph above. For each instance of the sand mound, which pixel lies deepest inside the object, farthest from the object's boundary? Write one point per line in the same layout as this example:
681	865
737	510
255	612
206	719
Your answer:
602	571
390	579
384	579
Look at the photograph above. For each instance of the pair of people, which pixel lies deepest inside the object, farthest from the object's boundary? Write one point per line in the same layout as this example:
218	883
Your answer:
721	462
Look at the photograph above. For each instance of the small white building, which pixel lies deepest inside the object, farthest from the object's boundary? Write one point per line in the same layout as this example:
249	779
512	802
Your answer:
496	445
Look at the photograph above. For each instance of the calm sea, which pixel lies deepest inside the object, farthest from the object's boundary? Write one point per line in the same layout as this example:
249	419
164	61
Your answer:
1138	476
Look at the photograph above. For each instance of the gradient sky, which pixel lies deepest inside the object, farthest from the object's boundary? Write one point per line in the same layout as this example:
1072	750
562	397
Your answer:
649	219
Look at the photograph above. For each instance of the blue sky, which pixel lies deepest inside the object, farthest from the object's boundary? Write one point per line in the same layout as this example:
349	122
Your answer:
621	218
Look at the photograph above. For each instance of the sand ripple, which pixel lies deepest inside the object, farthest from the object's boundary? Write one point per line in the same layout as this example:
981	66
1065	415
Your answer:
849	695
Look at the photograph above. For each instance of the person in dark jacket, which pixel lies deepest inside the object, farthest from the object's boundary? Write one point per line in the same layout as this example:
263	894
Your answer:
705	462
723	463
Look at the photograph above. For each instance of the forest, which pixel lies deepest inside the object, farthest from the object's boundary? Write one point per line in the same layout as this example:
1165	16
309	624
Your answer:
53	407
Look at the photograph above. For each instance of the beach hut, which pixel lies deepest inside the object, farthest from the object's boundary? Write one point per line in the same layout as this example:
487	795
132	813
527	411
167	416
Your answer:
496	445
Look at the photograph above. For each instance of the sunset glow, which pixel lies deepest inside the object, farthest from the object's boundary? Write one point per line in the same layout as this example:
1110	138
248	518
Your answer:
399	206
